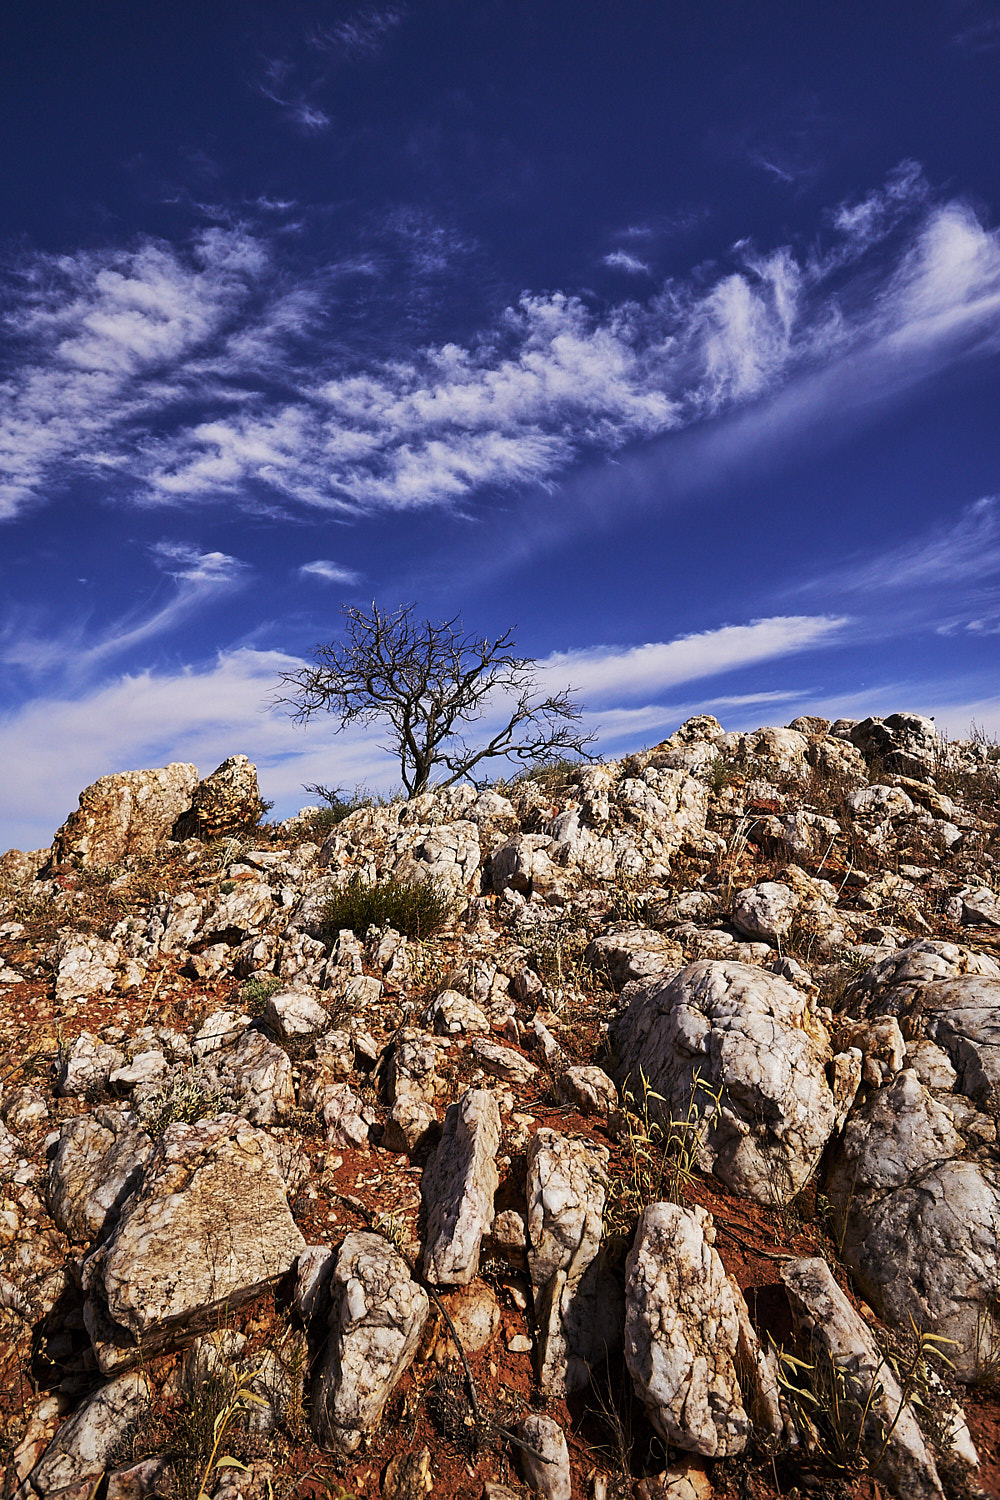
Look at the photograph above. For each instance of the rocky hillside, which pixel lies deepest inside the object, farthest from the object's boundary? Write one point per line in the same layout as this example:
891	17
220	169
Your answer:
621	1129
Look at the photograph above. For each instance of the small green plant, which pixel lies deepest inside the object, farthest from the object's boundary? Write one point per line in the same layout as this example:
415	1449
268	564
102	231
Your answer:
416	908
210	1415
660	1155
185	1098
722	772
841	1402
256	991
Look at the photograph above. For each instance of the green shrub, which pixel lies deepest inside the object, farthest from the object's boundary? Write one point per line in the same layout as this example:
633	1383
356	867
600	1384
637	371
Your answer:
415	908
255	992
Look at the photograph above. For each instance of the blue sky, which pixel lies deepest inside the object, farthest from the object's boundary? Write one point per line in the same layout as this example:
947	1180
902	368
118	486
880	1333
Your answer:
668	333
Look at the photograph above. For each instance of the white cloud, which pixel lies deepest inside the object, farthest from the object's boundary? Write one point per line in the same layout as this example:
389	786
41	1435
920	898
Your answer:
872	217
361	34
113	349
607	673
959	554
329	572
620	260
199	579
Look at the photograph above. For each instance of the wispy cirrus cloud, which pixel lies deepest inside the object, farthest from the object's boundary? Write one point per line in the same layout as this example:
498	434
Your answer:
964	552
197	580
328	572
361	34
621	260
110	352
606	673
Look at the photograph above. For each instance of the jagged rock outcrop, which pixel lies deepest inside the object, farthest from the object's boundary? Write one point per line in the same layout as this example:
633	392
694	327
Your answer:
124	816
208	1227
224	804
733	954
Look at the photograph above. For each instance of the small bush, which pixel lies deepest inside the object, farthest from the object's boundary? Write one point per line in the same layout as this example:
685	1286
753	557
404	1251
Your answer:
257	991
415	908
186	1098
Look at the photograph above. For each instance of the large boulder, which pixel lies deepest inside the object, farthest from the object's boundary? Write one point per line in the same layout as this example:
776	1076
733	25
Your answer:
907	743
917	1219
377	1314
124	816
740	1057
576	1309
208	1228
223	804
682	1332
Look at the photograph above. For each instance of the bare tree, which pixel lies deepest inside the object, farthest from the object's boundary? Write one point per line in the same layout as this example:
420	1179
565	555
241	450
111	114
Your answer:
429	683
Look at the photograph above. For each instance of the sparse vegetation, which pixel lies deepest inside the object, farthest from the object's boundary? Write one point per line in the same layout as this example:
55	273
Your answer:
416	908
212	1414
256	991
185	1098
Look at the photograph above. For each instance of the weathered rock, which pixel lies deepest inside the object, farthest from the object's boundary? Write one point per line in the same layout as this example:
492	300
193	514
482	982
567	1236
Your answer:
377	1314
890	986
295	1013
458	1185
347	1118
220	1029
975	906
408	1476
503	1062
907	743
475	1312
837	761
125	816
575	1302
224	804
451	1014
261	1075
448	856
765	911
508	1238
632	952
834	1337
548	1474
86	1440
918	1222
87	1065
86	965
208	1227
741	1054
682	1332
20	867
880	1043
97	1163
587	1089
